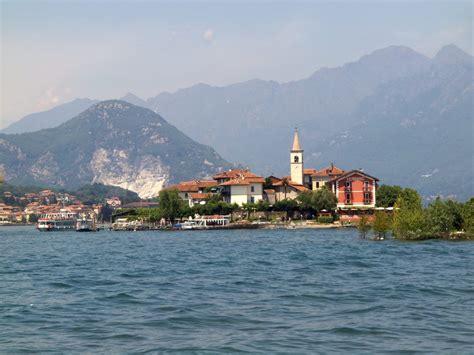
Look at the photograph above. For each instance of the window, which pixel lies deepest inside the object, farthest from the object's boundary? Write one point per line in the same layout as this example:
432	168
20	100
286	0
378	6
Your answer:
252	188
367	198
348	198
366	184
348	184
186	195
317	184
296	159
252	199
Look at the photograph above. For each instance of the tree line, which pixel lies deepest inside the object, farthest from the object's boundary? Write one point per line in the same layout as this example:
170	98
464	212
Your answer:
410	220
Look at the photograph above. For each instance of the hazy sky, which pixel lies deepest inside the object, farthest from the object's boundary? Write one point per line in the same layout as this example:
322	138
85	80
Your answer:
55	51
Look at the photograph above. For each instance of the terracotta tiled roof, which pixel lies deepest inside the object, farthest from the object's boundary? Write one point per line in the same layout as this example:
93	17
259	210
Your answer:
298	187
309	171
347	173
273	179
193	186
234	173
244	181
329	171
269	191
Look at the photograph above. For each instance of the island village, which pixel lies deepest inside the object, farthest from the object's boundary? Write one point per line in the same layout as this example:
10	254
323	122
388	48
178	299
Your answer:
353	191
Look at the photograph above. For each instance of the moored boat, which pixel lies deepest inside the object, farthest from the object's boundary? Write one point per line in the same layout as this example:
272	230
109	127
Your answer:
57	221
85	224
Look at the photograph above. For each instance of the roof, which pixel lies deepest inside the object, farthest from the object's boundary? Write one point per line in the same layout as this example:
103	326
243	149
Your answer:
309	171
273	179
234	173
296	142
351	172
269	191
296	186
193	185
243	180
329	171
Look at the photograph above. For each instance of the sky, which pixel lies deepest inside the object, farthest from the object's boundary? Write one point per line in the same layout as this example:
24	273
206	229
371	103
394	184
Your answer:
55	51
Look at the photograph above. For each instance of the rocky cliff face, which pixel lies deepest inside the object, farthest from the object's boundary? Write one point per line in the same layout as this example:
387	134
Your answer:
114	143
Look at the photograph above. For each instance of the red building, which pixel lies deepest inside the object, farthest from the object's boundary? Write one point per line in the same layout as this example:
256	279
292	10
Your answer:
355	191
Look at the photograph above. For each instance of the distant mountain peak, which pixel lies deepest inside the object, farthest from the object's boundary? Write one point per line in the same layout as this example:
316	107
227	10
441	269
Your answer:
133	99
394	52
130	95
113	142
451	54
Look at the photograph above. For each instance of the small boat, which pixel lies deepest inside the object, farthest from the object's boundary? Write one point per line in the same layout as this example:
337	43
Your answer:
188	225
85	224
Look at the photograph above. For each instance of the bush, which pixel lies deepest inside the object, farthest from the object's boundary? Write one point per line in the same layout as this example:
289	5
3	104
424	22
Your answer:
382	224
363	226
325	219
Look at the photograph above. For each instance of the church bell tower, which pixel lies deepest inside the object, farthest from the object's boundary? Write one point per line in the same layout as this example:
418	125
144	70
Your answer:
296	160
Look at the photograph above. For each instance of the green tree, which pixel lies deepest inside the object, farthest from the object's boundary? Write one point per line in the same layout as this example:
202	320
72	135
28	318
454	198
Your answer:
263	206
268	183
456	209
363	226
440	218
170	204
306	201
286	205
381	224
387	195
468	218
408	217
285	183
323	199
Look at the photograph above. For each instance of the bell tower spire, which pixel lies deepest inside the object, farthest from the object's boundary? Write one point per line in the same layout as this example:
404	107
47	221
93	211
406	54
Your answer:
296	160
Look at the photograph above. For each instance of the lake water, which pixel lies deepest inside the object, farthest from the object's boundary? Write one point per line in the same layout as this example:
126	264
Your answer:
300	291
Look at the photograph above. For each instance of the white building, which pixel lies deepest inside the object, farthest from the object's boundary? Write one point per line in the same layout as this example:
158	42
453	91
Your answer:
242	187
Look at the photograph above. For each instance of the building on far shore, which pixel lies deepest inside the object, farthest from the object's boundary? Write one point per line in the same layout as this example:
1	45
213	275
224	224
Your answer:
240	186
193	191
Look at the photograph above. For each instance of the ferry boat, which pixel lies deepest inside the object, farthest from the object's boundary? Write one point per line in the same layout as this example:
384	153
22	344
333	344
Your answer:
57	221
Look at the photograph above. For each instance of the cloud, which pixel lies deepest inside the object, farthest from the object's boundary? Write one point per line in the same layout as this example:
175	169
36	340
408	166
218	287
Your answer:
208	35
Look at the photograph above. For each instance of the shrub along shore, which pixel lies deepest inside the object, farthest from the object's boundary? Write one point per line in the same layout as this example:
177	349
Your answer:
441	219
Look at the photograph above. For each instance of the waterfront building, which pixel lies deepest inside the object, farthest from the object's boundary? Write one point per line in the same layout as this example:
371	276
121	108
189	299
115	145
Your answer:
321	178
114	202
286	188
187	190
354	189
241	186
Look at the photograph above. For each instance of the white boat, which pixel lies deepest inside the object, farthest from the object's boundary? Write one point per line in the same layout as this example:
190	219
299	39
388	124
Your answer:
85	225
205	222
57	221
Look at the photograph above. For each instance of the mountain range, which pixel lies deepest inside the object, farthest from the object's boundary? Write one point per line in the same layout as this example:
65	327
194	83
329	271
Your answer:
404	117
113	143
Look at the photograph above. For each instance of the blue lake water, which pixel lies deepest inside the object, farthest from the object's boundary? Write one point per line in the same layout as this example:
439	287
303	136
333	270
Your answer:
300	291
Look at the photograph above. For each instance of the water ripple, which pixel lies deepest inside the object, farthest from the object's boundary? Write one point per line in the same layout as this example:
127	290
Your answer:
288	291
